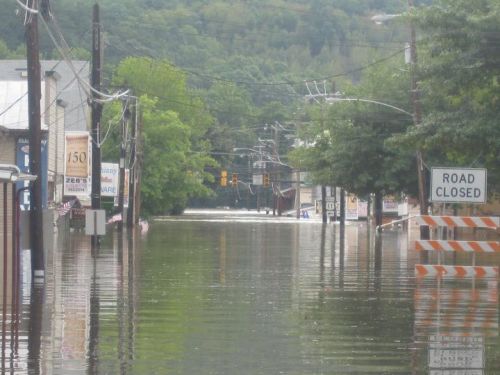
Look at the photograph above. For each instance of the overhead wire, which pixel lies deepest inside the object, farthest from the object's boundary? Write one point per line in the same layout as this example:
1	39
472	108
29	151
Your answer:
26	8
291	82
46	107
13	104
89	90
61	45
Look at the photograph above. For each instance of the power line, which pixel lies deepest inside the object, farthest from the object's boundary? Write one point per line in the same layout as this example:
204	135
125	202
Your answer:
13	104
285	83
325	78
62	46
342	42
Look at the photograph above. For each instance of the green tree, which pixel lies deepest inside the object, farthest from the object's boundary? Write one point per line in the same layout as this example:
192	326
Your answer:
175	153
459	70
352	141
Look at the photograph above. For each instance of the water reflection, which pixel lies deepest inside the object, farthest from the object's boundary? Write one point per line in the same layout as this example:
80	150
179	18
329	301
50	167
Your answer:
455	318
249	297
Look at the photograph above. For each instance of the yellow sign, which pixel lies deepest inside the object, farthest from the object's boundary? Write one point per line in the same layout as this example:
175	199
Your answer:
77	155
351	210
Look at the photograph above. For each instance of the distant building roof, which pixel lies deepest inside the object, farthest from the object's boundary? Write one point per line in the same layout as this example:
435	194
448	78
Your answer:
68	90
14	105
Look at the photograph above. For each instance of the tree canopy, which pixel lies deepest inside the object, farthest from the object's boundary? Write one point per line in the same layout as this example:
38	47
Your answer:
216	74
459	69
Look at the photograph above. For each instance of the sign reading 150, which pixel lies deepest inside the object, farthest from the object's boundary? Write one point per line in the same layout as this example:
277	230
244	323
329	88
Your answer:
77	157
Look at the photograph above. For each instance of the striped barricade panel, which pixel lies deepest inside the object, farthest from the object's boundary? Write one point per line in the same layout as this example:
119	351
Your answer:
459	221
427	270
460	246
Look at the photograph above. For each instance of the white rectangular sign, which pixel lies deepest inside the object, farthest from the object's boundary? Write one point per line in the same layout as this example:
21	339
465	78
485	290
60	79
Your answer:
330	206
458	185
109	179
257	179
390	205
76	186
456	358
95	222
362	208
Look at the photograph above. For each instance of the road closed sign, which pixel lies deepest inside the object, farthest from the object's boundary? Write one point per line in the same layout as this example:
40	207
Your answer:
458	185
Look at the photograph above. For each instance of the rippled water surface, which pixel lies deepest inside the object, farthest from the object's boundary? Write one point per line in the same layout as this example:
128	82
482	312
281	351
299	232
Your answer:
237	294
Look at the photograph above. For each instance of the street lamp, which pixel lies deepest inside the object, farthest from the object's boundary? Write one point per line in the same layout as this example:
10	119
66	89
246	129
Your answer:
379	19
417	118
333	99
11	173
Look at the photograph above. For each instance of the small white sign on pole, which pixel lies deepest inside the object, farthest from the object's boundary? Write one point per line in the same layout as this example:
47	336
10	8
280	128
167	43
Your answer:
458	185
95	222
257	179
330	206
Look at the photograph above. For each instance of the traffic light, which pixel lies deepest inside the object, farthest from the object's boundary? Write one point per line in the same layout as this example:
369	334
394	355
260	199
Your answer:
223	178
235	179
266	181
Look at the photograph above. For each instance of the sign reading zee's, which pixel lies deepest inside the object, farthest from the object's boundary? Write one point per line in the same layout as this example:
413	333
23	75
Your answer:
458	185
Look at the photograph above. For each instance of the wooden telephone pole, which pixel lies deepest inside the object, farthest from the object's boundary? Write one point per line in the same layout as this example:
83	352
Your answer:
35	140
121	189
417	118
96	108
131	212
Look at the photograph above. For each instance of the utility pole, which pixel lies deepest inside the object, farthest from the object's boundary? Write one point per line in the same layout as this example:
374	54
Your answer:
35	140
323	204
324	217
96	113
417	118
138	170
259	198
275	183
342	207
297	193
335	213
133	168
121	189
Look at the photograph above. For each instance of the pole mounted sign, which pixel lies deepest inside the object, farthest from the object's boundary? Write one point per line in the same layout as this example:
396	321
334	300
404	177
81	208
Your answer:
458	185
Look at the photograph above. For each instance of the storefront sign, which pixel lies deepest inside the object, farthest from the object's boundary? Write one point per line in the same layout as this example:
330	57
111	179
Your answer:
77	164
110	174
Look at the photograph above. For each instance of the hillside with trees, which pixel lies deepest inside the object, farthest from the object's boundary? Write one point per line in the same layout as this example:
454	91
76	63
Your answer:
214	73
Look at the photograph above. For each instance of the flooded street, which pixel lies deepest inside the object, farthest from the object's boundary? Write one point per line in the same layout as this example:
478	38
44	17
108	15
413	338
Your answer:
240	294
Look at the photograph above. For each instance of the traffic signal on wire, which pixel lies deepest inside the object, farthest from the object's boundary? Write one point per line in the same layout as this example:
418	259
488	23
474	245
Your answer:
223	178
235	179
266	181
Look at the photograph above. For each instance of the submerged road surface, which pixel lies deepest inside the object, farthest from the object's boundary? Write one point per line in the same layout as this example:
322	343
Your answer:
239	293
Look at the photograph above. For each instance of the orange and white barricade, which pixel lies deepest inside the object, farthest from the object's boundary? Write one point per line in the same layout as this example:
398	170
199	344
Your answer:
460	246
459	221
485	247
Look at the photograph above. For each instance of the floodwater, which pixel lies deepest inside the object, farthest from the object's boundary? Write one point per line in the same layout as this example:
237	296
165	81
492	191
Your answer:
239	294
